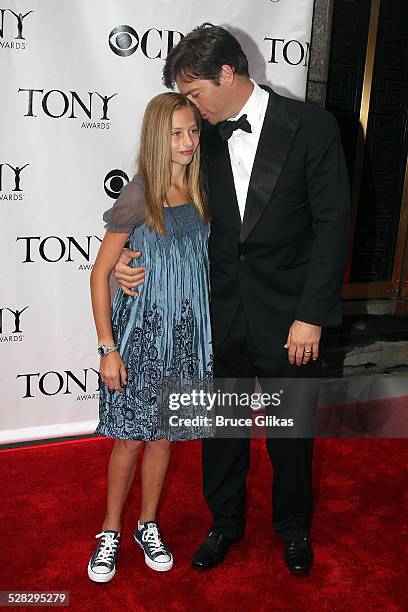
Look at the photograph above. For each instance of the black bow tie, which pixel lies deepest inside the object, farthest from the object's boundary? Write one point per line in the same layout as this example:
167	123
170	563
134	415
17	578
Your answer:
225	128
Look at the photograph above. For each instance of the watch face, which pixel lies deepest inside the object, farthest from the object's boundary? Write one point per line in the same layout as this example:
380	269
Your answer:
105	350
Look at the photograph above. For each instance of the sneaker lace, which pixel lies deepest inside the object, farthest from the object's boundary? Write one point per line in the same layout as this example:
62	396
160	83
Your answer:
151	536
107	547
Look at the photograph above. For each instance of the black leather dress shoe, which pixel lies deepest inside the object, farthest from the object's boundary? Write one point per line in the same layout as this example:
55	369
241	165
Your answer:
299	556
212	551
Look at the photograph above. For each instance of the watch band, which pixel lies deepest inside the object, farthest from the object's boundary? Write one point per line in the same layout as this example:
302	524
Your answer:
105	350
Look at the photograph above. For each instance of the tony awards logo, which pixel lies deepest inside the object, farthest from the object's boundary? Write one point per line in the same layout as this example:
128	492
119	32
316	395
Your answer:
292	52
67	382
12	23
57	104
10	324
53	249
11	182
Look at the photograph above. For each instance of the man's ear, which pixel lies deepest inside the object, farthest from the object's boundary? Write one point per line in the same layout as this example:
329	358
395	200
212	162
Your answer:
227	74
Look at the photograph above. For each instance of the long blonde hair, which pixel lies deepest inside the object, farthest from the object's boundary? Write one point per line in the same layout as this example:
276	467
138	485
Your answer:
154	163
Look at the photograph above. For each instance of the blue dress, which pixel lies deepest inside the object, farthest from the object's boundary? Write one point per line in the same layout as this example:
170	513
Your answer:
164	334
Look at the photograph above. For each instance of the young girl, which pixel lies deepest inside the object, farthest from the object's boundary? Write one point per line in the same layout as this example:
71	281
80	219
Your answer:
161	335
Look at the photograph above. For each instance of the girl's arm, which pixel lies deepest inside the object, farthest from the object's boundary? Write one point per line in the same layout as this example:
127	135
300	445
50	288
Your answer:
112	368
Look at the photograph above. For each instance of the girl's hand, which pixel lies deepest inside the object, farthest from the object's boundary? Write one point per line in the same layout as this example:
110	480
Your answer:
113	371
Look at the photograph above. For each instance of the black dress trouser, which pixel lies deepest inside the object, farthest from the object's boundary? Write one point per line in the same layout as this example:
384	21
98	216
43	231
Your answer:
226	460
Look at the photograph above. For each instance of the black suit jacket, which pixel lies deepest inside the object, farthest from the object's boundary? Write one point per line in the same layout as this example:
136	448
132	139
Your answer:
286	259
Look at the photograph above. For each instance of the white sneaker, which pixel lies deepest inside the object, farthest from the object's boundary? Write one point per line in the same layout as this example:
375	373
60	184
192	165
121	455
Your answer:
101	567
157	555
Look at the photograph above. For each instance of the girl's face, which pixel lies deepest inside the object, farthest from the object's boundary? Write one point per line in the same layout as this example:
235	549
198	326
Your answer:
184	136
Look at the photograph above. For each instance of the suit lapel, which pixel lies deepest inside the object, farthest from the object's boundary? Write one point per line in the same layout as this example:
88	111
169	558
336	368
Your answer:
225	188
278	132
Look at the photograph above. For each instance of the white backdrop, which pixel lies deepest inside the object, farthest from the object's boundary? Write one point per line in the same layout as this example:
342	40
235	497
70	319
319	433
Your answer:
75	78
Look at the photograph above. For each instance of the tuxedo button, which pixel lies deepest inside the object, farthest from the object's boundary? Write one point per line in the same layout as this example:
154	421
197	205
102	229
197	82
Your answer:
242	258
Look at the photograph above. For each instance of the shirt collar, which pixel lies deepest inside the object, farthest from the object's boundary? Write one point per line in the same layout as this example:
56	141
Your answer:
252	107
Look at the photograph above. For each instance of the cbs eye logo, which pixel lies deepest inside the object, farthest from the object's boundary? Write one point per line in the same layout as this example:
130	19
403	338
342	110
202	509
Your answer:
114	182
124	41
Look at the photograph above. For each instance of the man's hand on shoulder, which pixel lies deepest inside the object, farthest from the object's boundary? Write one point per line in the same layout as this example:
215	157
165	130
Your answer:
128	278
303	342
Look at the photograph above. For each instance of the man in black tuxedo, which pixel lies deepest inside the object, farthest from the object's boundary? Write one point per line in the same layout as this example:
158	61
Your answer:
280	205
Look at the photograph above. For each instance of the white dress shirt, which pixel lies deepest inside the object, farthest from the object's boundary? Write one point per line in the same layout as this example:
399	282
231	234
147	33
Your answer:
242	145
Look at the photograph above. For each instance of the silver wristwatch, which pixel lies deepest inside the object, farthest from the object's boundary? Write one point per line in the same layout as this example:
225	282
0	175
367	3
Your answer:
105	350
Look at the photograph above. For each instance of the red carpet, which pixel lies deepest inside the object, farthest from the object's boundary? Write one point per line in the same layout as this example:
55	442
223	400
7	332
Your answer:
54	503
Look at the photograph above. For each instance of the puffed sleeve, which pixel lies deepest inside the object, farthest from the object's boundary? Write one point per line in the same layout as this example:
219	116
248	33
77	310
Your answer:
129	210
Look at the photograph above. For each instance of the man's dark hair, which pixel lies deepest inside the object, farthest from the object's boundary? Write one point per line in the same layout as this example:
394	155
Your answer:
202	53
